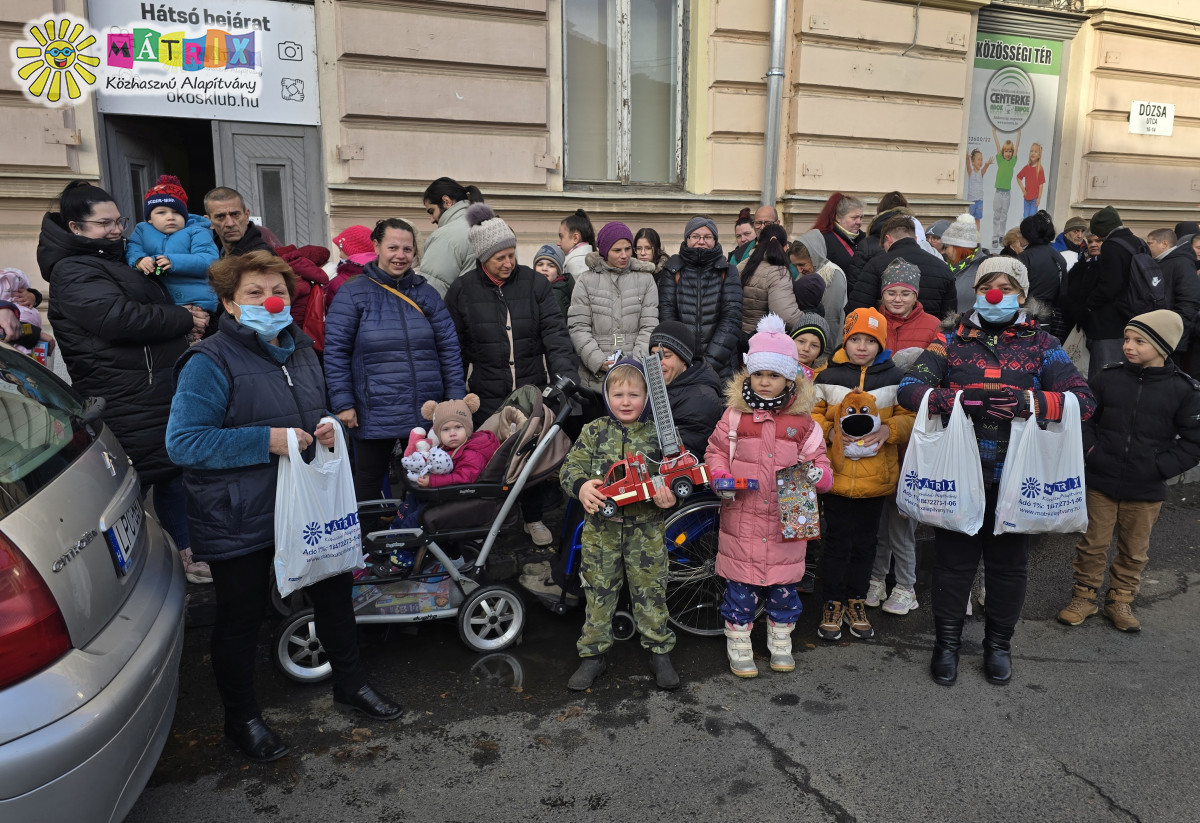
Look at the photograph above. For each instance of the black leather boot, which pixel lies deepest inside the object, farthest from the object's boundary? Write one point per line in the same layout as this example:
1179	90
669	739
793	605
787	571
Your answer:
943	666
997	653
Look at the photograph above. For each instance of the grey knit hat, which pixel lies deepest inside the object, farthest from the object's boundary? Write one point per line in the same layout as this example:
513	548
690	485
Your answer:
550	252
900	272
697	222
962	233
488	234
1000	264
937	229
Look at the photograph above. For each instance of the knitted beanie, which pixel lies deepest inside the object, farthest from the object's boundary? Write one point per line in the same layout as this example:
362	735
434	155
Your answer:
697	222
552	253
900	272
1104	221
355	240
488	234
168	191
937	229
451	411
1162	328
608	236
866	321
813	324
1075	223
676	336
1186	228
962	233
771	349
1000	264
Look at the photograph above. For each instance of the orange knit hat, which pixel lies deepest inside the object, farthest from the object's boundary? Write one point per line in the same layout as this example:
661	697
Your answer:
866	321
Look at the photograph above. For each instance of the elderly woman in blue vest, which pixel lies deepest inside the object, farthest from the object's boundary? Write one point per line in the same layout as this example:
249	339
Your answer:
237	394
390	345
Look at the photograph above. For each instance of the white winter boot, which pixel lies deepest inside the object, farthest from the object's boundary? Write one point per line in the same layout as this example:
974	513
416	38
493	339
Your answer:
741	653
779	644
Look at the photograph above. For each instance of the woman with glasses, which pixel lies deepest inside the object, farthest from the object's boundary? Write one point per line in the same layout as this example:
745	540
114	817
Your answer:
699	288
120	334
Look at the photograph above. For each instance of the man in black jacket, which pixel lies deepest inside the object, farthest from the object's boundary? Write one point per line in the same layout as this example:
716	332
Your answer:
1178	262
693	389
1102	319
226	209
936	289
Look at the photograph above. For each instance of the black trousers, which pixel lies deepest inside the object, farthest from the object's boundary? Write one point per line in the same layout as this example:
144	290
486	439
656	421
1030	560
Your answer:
240	586
1005	564
371	461
848	545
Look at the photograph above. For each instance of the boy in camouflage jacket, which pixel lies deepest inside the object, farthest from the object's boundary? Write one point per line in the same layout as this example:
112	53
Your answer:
629	546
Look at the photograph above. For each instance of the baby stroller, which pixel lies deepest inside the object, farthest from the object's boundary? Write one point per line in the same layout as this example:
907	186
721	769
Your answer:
490	615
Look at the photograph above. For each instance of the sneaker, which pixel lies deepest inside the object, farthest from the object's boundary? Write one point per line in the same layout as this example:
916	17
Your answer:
1118	610
830	627
876	593
856	618
539	569
808	583
1082	606
538	532
196	571
544	586
901	601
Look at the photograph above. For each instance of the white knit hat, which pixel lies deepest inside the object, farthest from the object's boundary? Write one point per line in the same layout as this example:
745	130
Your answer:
962	233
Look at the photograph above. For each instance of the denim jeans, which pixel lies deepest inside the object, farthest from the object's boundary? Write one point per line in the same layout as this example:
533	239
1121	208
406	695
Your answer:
170	504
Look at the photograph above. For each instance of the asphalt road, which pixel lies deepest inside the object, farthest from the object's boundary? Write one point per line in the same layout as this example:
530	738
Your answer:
1096	726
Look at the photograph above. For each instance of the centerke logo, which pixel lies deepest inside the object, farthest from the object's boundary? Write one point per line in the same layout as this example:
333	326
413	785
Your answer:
54	69
1008	99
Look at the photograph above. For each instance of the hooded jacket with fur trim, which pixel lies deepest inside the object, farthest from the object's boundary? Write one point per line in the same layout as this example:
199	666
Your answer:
751	548
846	391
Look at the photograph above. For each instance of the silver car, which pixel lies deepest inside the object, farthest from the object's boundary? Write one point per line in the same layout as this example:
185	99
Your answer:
91	610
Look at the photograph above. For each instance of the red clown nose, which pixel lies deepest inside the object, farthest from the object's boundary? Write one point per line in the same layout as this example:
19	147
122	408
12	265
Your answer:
993	296
275	304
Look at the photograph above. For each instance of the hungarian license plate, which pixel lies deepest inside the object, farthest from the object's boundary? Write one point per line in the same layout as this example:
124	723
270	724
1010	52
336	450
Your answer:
123	534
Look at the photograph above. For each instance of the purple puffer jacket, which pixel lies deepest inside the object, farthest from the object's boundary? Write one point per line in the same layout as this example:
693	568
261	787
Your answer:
750	548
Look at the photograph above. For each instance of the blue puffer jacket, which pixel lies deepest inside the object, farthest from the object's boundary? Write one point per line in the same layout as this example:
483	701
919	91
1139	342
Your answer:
191	251
383	358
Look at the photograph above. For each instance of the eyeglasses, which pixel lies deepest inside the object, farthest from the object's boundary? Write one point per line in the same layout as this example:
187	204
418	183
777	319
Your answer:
762	224
702	238
109	225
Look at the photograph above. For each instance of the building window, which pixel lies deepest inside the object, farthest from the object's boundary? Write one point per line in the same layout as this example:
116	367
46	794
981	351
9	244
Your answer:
623	81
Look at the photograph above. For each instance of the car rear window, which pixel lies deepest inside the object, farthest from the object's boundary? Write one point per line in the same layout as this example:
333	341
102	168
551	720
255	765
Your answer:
41	430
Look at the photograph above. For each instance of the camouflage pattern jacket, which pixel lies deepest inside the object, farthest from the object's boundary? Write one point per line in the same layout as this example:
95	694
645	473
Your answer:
602	443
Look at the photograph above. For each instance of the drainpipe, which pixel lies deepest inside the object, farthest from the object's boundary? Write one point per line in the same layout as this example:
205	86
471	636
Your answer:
774	103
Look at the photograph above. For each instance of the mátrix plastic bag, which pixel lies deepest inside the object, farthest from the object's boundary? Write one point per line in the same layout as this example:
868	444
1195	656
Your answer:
941	483
1042	486
317	534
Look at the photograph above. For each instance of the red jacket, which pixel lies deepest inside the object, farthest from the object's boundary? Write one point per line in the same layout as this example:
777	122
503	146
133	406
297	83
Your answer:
918	329
306	262
469	460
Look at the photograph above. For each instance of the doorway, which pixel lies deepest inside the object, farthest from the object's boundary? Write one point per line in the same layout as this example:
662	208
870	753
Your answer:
142	148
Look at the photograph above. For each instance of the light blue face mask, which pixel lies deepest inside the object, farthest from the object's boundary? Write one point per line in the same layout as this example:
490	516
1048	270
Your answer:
267	325
1000	312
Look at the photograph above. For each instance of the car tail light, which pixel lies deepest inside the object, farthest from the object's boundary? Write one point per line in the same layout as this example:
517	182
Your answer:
33	633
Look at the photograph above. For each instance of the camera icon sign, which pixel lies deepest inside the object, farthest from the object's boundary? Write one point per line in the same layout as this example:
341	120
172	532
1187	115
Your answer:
289	50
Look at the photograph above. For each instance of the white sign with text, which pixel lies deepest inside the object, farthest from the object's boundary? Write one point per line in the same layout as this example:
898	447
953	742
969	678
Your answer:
1151	118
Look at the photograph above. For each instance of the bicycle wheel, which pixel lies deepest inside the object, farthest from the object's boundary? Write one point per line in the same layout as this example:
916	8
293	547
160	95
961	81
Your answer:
694	591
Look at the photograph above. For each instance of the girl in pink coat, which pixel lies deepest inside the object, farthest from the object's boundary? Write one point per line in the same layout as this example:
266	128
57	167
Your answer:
766	434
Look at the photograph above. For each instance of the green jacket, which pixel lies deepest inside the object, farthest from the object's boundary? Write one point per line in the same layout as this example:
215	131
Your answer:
602	443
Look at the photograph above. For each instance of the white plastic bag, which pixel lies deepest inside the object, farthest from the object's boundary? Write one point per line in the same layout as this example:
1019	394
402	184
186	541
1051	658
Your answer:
1076	348
1042	488
941	482
317	534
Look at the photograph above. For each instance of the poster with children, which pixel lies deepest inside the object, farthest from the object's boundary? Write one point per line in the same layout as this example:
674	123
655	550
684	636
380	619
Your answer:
1008	163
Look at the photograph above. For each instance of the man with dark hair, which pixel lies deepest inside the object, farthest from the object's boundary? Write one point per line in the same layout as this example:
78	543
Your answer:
693	388
226	209
898	236
1101	317
1178	262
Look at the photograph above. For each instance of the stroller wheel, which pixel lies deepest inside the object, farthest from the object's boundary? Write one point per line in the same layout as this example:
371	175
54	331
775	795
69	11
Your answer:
491	618
623	626
285	606
297	649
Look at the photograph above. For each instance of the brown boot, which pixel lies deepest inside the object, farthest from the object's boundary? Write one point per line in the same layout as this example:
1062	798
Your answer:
1118	611
1082	606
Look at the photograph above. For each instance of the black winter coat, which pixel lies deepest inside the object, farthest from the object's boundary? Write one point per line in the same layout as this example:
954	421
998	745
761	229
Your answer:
1145	430
1183	288
252	240
871	244
696	405
120	334
846	259
700	288
936	293
1046	269
1102	319
509	334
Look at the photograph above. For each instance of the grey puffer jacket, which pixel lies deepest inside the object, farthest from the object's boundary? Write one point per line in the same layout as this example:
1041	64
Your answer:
611	309
447	254
769	290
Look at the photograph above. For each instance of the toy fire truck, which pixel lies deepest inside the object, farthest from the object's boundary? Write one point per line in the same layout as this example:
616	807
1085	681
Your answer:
631	480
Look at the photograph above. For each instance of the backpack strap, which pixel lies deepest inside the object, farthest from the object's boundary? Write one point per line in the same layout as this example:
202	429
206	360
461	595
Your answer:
734	419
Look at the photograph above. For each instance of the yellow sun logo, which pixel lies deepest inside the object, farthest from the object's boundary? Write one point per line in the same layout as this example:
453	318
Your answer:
57	62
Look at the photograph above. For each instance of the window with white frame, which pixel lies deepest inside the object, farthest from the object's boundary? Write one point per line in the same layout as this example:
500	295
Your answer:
623	86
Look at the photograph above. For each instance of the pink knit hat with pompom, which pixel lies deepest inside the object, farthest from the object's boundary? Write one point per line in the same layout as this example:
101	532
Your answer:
771	349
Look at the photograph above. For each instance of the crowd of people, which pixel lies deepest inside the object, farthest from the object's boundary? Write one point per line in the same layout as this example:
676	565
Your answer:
799	361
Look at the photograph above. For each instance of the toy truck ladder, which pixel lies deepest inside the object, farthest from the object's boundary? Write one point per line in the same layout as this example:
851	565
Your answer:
660	407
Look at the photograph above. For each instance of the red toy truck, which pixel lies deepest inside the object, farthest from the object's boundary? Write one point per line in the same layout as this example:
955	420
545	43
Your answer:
629	480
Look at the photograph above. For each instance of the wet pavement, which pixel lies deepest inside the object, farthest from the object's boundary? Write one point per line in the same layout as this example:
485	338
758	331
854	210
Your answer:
1096	726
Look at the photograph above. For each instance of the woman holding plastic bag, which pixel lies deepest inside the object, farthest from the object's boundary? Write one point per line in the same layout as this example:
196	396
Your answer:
239	395
999	358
